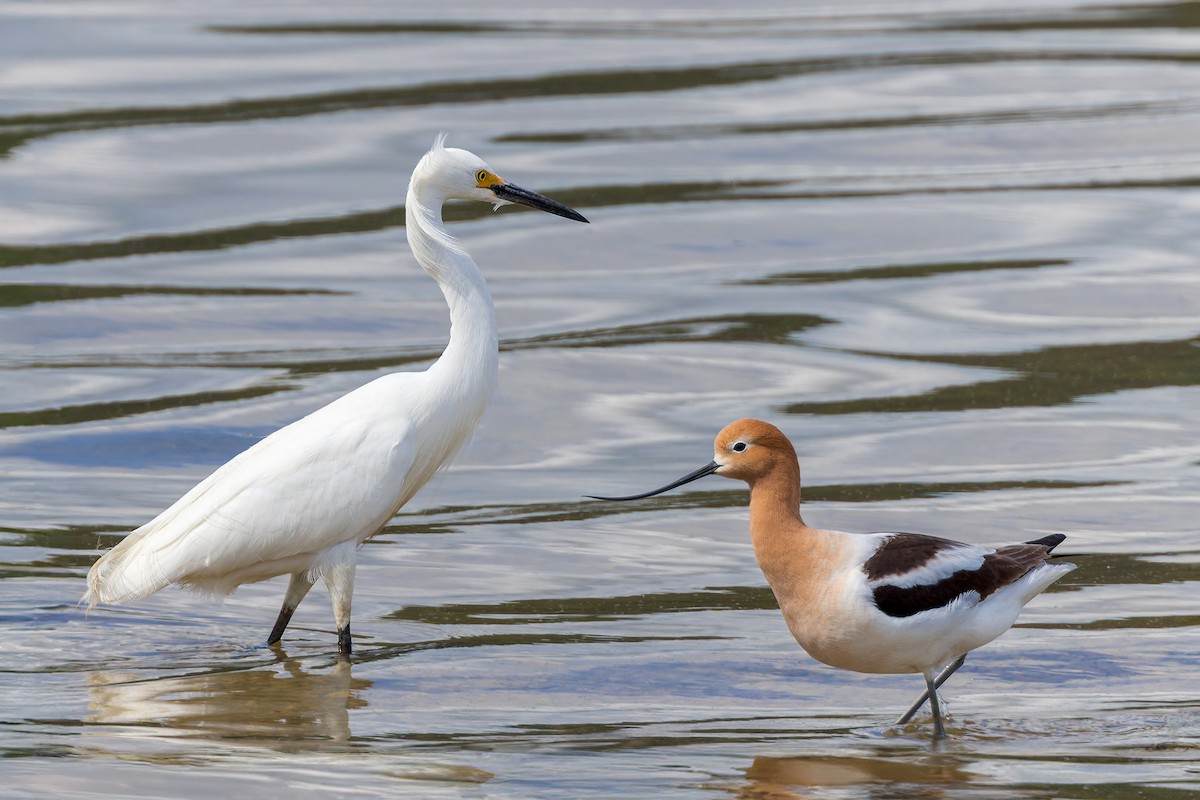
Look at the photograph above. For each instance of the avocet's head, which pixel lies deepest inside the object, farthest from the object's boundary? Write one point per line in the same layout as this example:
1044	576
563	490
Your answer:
461	175
750	448
744	450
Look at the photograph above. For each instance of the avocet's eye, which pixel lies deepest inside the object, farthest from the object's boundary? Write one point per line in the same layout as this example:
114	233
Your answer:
738	447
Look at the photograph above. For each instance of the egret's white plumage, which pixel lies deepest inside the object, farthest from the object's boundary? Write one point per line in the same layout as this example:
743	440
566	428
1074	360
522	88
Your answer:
303	499
875	602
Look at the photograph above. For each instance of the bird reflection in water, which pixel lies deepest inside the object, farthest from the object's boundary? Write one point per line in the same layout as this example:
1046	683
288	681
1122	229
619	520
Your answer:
280	706
792	778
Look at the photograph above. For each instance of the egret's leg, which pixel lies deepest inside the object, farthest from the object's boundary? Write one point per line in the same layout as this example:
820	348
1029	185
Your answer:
298	586
939	731
946	673
339	578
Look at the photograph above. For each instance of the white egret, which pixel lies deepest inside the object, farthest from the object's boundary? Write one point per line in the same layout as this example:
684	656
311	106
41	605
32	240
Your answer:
301	501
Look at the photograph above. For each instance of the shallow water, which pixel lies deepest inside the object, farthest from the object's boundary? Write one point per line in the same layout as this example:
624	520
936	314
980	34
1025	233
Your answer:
949	248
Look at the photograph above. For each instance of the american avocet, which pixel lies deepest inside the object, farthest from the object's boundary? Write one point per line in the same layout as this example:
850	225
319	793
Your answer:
876	602
302	500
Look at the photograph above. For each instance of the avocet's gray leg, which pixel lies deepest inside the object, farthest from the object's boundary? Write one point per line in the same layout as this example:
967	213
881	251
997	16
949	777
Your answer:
946	673
939	730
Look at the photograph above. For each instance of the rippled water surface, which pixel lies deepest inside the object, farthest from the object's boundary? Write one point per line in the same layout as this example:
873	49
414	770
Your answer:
950	247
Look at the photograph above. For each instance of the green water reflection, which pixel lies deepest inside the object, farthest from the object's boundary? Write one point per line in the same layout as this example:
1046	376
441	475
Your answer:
115	409
358	222
1047	377
896	271
27	294
1175	16
17	130
668	133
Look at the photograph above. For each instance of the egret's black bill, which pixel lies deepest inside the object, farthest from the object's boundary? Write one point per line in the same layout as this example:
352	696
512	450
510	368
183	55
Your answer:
524	197
707	469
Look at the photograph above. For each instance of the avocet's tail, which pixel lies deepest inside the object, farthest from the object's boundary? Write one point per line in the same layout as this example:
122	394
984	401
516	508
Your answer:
1050	542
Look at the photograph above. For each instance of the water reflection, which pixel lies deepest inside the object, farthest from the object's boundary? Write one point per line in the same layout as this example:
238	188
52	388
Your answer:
787	778
894	271
18	130
649	133
1048	377
224	238
27	294
282	706
114	409
829	493
1173	16
589	609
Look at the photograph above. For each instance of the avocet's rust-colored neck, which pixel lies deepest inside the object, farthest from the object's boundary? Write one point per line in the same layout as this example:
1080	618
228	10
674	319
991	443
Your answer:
801	564
780	537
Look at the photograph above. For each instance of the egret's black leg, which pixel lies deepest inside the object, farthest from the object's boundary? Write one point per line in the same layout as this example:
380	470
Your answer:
339	579
946	673
297	588
281	623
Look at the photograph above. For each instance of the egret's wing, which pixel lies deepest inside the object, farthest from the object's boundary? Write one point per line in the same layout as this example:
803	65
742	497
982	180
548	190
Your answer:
336	475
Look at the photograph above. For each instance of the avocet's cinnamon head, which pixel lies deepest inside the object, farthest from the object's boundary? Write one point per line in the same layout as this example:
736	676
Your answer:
749	449
746	450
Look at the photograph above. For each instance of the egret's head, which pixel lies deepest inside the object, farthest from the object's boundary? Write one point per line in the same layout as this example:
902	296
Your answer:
462	175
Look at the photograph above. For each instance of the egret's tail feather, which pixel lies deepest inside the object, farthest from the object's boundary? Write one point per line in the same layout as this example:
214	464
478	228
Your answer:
124	574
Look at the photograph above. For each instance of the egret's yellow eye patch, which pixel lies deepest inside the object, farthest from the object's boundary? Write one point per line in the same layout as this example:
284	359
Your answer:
485	179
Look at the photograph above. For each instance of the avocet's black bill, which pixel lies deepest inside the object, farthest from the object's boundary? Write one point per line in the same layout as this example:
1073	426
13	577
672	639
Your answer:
524	197
707	469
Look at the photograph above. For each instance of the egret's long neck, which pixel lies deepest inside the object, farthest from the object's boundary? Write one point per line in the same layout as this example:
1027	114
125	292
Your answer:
469	363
